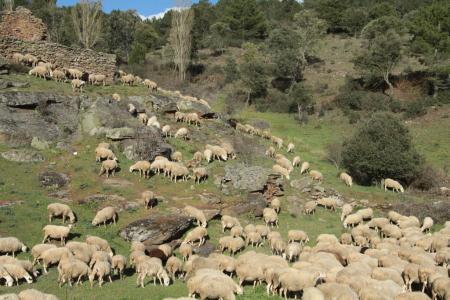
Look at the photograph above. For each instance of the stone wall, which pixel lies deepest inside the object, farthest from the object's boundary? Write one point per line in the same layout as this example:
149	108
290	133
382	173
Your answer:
88	61
21	24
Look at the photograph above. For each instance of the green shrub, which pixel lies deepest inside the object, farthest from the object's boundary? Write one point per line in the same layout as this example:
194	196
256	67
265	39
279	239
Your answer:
416	109
363	101
381	148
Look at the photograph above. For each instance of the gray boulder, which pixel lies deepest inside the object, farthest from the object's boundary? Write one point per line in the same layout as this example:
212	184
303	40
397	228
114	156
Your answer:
146	145
248	178
53	179
254	203
23	155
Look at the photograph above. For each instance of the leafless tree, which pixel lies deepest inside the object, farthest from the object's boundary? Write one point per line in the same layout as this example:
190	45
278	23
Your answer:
8	5
181	35
334	154
87	21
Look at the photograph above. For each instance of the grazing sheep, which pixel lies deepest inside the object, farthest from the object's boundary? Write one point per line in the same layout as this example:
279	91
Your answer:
297	280
11	245
297	236
440	287
53	256
151	85
366	213
38	249
166	130
393	184
310	207
118	264
329	203
293	251
192	118
197	234
100	270
99	256
39	71
18	58
228	147
143	117
276	204
104	215
346	210
70	269
174	266
102	244
235	245
346	239
176	156
30	59
59	209
32	294
73	73
56	232
296	161
316	175
427	224
277	141
200	174
347	179
77	84
282	171
208	155
312	293
261	229
229	222
270	216
305	167
290	147
102	153
254	238
197	214
143	167
271	152
185	250
218	152
198	157
17	271
154	270
58	75
148	199
127	80
116	97
109	167
182	133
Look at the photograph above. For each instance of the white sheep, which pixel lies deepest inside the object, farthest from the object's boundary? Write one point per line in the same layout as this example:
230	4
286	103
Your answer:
276	204
151	85
116	97
73	73
53	256
197	214
60	210
11	245
316	175
328	202
305	167
32	294
102	244
166	130
70	269
271	152
100	270
365	213
182	133
393	184
427	224
293	251
56	232
208	155
108	167
229	222
17	271
127	79
38	249
118	264
104	215
58	76
290	147
18	58
185	250
347	179
270	216
102	153
199	174
39	71
296	161
346	210
143	166
298	236
282	171
254	238
310	207
5	275
30	59
174	267
149	199
176	156
77	84
235	245
197	234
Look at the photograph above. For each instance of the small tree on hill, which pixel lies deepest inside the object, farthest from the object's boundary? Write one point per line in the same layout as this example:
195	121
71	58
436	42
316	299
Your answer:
381	148
253	73
87	22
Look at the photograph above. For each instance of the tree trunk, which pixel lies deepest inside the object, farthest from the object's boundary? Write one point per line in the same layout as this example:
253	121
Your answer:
391	87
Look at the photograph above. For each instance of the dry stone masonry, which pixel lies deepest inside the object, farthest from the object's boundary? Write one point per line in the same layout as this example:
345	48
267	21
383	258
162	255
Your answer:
23	25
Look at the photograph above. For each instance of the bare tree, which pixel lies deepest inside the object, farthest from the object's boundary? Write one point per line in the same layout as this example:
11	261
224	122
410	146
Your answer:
7	5
87	21
181	35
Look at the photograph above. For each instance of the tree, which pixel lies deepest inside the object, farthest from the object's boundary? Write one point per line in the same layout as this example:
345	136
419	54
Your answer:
204	17
300	102
86	17
354	19
231	70
181	36
7	5
220	32
381	148
145	38
253	73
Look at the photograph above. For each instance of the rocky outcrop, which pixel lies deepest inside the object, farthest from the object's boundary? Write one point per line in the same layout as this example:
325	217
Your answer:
22	155
21	24
157	229
53	179
247	178
254	203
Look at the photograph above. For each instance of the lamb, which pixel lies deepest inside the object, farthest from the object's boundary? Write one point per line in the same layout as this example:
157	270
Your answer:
310	207
109	167
174	266
58	75
116	97
316	175
347	179
102	244
276	204
352	220
346	210
17	271
293	251
151	85
39	71
197	234
59	209
199	174
104	215
148	199
185	250
77	84
330	203
11	245
271	152
296	161
143	167
197	214
70	269
282	171
270	216
56	232
298	236
290	147
32	294
427	224
305	167
182	133
118	264
38	249
166	130
103	154
395	185
100	270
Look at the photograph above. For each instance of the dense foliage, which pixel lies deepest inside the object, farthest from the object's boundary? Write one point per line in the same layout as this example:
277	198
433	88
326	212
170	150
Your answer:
381	148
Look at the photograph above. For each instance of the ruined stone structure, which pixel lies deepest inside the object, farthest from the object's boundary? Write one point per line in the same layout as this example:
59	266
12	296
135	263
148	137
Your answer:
22	33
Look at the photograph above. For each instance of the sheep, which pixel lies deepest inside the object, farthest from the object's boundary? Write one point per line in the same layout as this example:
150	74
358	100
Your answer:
176	156
6	276
182	133
38	249
196	234
30	59
143	167
276	204
77	84
198	157
102	153
277	141
70	269
347	179
261	229
131	109
316	175
166	130
18	58
381	274
392	231
253	238
218	152
32	294
56	232
297	280
296	161
290	148
440	287
293	251
53	256
73	73
412	296
330	203
310	207
231	153
82	251
153	270
346	210
151	85
305	167
109	167
443	257
102	244
58	75
11	245
185	250
100	270
270	152
280	170
192	118
285	163
127	79
197	214
395	185
208	155
179	116
143	118
312	293
158	165
216	288
59	209
148	199
17	271
118	264
236	245
199	174
352	220
116	97
39	71
174	266
229	222
427	224
270	216
104	215
100	256
298	236
327	238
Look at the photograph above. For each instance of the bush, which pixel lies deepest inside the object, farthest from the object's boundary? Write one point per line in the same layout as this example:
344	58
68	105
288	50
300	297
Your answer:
430	178
416	109
362	101
381	148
